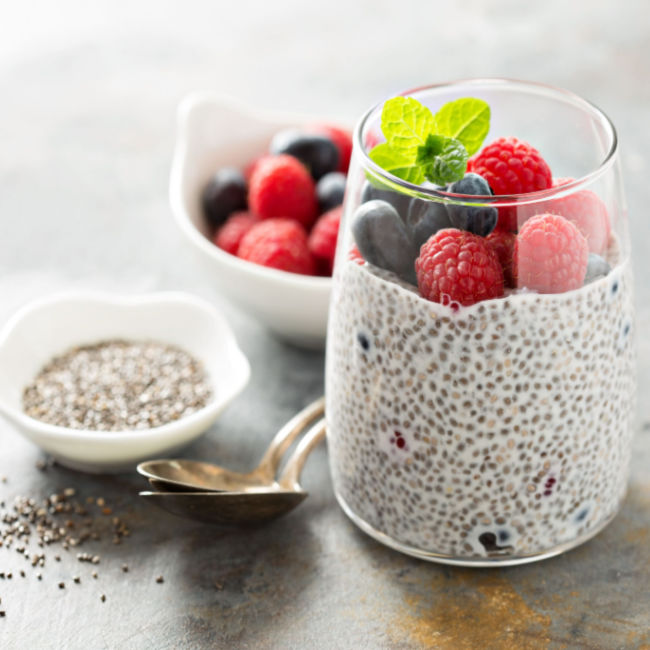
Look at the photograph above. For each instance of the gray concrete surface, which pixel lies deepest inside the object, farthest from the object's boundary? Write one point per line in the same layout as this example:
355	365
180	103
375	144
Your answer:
87	100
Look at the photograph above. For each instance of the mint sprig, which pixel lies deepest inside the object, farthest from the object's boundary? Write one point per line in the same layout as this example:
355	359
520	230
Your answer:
420	145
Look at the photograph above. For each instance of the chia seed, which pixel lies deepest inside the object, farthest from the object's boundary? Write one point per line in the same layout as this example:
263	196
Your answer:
118	385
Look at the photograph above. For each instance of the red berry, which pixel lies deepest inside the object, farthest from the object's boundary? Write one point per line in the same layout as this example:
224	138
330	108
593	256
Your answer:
322	240
343	141
511	166
250	168
503	243
279	244
456	266
550	255
354	255
281	186
587	211
231	233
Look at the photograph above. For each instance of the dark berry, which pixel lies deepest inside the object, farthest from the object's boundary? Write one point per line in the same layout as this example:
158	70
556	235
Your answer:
489	541
399	201
330	190
597	267
582	515
503	536
225	193
480	220
363	341
317	152
384	240
426	218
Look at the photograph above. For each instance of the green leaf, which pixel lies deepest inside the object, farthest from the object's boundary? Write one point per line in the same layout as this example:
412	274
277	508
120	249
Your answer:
398	162
406	123
467	120
442	159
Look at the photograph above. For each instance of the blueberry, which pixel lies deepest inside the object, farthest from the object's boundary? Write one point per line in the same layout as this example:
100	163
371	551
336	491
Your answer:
581	515
479	220
224	193
384	240
399	201
363	341
597	267
489	541
330	190
317	152
425	218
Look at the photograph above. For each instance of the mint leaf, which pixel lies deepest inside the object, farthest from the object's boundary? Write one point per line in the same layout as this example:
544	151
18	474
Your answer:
466	120
398	162
406	123
442	159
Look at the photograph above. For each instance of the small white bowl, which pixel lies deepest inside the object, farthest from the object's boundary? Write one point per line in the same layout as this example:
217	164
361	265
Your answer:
216	132
48	327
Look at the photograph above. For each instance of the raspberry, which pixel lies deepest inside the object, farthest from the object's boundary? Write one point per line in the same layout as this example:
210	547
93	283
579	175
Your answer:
587	211
354	255
343	141
279	244
230	234
503	243
511	166
250	168
550	255
322	240
458	266
281	186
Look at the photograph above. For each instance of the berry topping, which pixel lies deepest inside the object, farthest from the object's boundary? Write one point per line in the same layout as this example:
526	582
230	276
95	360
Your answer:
322	240
354	255
587	211
597	267
224	193
363	341
343	141
479	220
455	266
330	190
550	255
317	152
399	201
279	244
231	233
383	239
511	166
503	244
425	218
281	186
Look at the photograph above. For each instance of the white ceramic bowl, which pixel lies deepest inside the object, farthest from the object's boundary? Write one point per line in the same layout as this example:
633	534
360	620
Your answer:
45	328
215	132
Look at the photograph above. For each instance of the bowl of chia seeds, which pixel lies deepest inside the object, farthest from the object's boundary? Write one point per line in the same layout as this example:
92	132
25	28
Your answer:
102	382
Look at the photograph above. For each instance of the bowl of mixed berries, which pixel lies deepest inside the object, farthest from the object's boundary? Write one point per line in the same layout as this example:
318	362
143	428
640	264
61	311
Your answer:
258	197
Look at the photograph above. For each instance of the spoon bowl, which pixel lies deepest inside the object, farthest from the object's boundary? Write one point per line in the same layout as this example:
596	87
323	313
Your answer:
181	475
228	508
254	505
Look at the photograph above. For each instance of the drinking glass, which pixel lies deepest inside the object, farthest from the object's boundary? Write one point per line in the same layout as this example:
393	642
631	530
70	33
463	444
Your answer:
497	433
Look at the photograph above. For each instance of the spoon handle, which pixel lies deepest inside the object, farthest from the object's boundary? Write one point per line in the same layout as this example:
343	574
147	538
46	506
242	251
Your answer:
286	435
291	474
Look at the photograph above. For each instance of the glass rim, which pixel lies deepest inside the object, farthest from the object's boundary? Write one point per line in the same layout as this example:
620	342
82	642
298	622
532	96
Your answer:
504	200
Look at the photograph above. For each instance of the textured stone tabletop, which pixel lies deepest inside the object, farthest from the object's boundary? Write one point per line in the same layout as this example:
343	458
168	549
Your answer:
87	116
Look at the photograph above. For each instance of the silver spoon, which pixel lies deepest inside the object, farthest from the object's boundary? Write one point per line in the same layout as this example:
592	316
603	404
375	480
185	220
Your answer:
181	475
255	504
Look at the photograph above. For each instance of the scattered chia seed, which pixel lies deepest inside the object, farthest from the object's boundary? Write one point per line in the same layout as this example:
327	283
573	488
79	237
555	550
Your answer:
116	386
160	580
103	598
61	585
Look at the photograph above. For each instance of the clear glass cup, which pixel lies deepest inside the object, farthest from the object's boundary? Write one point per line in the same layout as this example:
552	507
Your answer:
497	433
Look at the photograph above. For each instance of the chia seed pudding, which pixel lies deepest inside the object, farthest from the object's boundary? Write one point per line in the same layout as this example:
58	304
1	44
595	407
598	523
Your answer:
501	429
